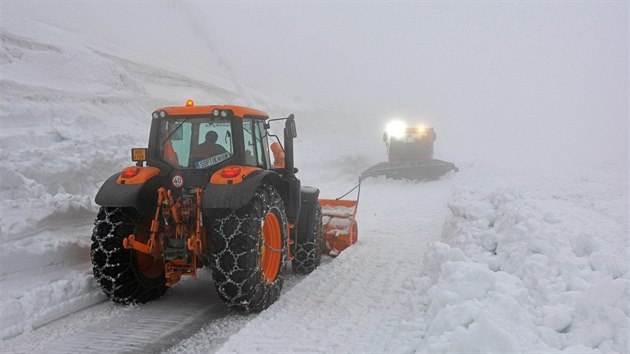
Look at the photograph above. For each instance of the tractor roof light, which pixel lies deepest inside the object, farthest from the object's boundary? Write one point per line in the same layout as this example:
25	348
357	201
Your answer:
190	103
162	114
155	115
396	129
221	113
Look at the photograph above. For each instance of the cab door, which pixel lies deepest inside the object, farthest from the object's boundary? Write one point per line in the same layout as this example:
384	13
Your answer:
256	143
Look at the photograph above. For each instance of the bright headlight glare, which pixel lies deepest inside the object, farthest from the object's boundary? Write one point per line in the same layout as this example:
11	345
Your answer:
396	129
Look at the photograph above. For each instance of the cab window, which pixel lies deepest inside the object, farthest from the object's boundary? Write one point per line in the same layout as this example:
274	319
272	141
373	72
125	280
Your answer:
196	142
254	147
263	151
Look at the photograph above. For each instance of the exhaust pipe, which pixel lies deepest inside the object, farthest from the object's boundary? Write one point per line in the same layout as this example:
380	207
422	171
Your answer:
290	132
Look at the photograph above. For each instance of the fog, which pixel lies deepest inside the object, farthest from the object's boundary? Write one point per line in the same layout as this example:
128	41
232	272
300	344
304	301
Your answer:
522	84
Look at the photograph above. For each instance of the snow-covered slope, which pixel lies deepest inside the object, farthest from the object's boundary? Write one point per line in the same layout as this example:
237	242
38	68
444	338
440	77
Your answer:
480	261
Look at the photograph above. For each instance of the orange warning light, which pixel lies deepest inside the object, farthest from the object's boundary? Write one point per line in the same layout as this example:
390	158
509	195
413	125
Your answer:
190	103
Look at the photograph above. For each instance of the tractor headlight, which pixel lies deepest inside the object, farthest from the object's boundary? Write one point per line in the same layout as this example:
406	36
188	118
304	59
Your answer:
162	114
396	129
155	115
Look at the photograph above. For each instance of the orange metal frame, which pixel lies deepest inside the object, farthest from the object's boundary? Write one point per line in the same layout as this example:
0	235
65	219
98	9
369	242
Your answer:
195	243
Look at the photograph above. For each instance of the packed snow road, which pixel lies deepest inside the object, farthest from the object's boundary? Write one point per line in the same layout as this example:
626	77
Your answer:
359	292
360	300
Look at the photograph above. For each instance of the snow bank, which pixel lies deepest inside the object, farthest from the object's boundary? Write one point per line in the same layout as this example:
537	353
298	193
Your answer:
534	267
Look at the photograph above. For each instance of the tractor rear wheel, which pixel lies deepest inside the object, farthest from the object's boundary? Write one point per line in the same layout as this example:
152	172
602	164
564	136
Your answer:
308	248
249	251
125	276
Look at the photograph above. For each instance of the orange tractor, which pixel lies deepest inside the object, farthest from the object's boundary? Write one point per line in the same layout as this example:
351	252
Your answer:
210	195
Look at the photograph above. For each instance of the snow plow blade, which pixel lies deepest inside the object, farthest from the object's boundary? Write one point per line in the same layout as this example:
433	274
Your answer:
340	226
428	170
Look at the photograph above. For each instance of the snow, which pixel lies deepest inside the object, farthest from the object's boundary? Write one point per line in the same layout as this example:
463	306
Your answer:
541	262
484	260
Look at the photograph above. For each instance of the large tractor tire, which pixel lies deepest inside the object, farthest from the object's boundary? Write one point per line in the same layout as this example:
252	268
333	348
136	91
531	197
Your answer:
125	276
250	252
308	248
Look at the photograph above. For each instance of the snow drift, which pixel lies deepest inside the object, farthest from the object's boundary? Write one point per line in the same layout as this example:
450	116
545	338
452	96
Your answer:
537	267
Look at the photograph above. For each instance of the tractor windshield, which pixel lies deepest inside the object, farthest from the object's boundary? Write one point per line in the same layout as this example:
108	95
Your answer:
195	142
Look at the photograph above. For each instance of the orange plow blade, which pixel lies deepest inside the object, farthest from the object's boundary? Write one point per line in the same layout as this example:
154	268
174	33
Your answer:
340	226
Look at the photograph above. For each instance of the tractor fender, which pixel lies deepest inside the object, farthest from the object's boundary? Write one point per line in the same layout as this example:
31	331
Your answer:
140	196
234	196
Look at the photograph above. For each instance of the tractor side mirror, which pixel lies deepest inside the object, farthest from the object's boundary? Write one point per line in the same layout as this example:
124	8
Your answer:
290	127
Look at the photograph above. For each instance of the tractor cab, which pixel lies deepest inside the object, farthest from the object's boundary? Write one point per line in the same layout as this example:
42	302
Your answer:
194	144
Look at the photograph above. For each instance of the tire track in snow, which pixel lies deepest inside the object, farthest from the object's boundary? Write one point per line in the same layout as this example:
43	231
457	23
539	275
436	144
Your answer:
111	328
105	327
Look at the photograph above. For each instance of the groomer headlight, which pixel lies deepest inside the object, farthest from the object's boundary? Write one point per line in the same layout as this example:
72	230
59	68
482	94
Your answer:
223	114
162	114
396	129
215	112
155	115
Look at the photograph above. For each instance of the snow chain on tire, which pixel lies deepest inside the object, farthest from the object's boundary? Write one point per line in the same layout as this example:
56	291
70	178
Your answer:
115	267
237	244
308	249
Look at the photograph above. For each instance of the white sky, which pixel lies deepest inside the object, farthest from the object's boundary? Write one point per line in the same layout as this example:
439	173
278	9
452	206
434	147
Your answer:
551	76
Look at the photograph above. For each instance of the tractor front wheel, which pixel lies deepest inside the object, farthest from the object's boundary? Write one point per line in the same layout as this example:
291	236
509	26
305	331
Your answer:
250	248
125	276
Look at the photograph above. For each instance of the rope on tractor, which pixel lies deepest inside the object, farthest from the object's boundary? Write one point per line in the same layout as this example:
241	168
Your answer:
350	191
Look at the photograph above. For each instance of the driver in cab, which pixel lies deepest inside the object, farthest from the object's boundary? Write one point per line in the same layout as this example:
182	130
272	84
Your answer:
209	147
